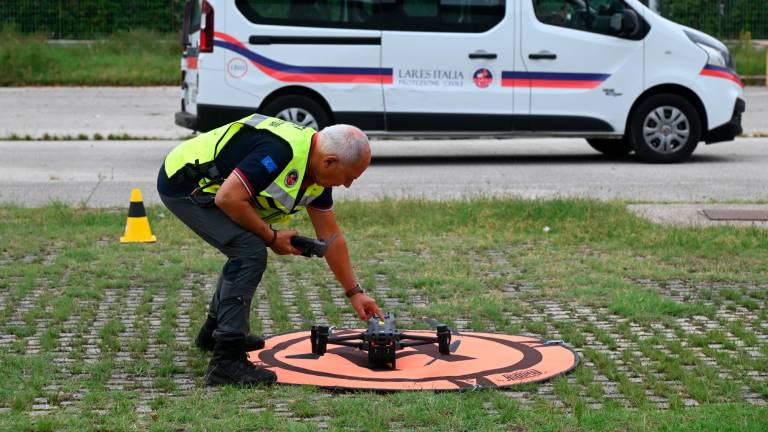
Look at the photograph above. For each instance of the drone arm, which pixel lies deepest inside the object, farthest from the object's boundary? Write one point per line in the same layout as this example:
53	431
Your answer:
416	343
334	339
418	337
346	343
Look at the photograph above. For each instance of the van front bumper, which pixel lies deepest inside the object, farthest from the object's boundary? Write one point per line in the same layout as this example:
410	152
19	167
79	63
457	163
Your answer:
185	119
730	130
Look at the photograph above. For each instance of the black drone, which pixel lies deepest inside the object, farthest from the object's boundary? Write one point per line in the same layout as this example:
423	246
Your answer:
382	340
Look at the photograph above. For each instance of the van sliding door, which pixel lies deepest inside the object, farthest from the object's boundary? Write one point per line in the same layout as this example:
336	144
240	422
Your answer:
447	58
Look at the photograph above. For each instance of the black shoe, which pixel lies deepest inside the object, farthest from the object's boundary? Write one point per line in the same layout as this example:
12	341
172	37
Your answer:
205	341
238	371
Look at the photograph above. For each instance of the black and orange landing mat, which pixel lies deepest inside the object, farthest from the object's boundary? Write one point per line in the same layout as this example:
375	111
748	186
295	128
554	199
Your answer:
483	360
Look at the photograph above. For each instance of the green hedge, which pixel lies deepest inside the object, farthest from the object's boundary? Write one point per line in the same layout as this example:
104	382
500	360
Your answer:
87	19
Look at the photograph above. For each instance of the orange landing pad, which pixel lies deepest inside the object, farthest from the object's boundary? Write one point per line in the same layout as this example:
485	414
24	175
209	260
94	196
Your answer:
482	360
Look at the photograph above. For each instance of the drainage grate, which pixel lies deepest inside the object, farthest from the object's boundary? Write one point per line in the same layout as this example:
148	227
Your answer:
744	215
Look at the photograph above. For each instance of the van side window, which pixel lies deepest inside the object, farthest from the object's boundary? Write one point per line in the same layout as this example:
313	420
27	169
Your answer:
310	13
470	16
596	16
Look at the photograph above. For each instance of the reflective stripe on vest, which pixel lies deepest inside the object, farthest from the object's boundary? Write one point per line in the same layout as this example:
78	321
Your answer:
278	201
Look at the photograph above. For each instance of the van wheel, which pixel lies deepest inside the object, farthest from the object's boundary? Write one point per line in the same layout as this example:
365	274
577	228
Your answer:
611	147
298	109
665	128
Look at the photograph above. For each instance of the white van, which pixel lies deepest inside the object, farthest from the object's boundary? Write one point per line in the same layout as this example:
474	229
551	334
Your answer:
611	71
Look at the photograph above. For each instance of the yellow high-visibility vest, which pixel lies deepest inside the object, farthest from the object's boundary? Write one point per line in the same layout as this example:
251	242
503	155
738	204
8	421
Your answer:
195	160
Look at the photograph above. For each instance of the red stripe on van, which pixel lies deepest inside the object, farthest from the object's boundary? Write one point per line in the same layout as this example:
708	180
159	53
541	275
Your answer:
515	82
322	78
722	74
228	38
310	74
548	83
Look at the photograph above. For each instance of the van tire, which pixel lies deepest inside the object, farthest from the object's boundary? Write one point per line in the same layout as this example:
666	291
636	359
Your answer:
298	109
611	147
665	128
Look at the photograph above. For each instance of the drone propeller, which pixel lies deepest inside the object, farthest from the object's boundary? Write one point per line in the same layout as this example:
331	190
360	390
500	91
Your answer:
331	329
434	323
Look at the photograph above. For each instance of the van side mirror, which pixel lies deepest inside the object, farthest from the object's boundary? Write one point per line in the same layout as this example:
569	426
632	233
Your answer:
625	23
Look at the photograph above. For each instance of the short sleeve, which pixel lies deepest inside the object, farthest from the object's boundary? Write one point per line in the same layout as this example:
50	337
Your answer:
262	165
324	202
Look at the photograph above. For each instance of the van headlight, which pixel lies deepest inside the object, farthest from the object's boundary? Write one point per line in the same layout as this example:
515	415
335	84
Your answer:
716	57
716	51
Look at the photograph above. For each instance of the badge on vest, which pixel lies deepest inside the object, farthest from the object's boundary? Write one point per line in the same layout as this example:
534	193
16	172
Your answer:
292	178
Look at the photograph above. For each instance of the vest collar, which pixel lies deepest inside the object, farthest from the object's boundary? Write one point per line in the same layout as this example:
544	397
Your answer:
312	146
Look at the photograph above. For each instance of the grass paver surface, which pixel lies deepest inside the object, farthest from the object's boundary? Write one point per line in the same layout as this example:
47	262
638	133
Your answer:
671	323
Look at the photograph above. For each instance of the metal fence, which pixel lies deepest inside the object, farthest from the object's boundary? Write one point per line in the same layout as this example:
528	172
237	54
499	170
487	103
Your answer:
725	19
88	19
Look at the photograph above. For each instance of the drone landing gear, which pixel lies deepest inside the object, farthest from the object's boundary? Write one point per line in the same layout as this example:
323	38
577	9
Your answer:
318	337
443	339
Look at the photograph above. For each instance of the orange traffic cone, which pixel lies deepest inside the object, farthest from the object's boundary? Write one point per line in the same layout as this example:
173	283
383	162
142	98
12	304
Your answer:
137	228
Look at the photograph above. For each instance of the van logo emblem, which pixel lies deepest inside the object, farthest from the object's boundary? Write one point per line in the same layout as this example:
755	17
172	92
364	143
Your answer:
482	77
237	68
292	178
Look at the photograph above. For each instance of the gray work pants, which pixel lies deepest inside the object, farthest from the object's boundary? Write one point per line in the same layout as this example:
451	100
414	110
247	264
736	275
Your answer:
247	260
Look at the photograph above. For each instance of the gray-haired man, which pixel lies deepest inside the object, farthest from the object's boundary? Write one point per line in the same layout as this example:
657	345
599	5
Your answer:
229	185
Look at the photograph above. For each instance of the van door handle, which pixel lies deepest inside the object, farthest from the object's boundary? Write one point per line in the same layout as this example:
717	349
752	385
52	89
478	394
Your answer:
482	55
542	56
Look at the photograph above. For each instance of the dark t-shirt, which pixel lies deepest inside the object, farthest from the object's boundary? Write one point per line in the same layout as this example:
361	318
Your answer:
256	157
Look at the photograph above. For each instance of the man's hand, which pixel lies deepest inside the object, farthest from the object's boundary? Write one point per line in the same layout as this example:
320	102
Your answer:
365	306
282	243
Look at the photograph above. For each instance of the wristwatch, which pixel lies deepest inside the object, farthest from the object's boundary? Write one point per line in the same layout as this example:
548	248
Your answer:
356	290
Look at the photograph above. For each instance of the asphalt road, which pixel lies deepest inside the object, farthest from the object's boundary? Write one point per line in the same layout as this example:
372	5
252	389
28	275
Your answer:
102	173
148	111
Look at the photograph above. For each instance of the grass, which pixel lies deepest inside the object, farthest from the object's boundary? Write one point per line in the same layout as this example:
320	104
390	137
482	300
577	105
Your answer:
134	58
101	332
749	60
